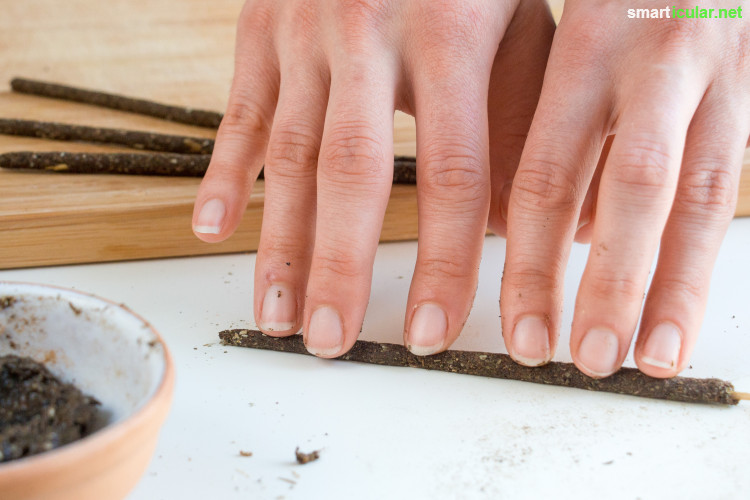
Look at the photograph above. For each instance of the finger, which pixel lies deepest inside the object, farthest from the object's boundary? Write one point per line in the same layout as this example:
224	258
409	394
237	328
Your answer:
513	97
635	196
354	175
702	210
288	230
557	164
241	138
453	199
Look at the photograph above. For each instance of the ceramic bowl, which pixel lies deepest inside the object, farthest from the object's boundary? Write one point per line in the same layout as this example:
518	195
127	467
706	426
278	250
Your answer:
108	352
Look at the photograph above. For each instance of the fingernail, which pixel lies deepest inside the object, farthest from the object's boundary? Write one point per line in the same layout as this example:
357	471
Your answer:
599	351
210	217
428	329
662	348
279	312
530	344
325	335
505	200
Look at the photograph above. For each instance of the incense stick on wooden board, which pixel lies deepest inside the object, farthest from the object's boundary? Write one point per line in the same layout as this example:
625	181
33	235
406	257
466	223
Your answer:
628	381
165	164
135	139
180	114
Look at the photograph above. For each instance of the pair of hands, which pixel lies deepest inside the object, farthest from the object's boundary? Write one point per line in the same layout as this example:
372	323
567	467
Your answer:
513	128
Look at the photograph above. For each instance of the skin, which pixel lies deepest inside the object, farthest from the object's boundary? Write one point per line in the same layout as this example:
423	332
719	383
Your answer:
638	136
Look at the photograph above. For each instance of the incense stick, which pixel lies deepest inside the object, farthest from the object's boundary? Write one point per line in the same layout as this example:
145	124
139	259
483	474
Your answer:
628	381
130	138
109	163
177	165
180	114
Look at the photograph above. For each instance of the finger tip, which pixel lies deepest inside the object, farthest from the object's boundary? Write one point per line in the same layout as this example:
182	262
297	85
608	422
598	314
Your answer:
529	362
594	373
419	350
655	368
279	330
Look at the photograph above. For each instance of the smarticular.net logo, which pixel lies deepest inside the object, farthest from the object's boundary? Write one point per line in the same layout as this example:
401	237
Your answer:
697	12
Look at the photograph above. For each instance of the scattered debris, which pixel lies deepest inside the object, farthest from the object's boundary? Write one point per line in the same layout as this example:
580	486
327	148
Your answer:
303	458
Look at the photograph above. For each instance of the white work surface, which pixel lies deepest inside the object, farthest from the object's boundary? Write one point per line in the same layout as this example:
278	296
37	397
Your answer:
405	433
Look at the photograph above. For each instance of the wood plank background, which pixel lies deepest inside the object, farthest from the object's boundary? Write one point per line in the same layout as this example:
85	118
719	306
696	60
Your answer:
175	51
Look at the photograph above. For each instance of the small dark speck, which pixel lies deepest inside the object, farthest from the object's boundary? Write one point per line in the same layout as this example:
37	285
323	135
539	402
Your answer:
278	293
288	263
610	462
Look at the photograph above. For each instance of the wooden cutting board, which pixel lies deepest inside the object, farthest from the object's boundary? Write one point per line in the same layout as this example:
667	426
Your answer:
174	51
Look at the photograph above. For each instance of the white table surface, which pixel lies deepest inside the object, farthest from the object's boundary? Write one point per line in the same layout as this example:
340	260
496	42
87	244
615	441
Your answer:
406	433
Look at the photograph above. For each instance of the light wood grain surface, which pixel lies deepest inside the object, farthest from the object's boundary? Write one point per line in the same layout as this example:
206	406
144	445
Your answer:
175	51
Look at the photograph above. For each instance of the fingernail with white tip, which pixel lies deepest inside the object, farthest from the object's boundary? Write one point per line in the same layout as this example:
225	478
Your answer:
530	343
325	335
599	351
662	348
279	312
210	217
428	329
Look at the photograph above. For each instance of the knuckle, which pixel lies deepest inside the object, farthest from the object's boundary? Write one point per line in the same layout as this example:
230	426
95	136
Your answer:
257	16
707	189
532	277
611	286
334	261
243	117
353	152
542	184
646	165
294	150
582	50
441	269
454	171
679	36
684	288
359	20
450	23
305	18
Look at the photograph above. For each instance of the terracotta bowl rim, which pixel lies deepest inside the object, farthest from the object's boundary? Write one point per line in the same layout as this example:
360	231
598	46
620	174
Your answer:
159	401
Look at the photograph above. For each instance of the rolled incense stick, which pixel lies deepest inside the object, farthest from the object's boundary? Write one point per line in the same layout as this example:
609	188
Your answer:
189	116
626	381
177	165
131	138
109	163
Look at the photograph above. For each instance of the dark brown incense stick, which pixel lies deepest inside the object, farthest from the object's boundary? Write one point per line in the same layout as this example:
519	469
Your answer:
626	381
109	163
131	138
177	165
179	114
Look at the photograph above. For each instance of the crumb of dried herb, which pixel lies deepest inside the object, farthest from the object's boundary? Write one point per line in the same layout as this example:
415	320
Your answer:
303	458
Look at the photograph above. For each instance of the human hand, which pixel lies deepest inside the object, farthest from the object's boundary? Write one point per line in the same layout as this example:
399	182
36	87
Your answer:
675	93
315	88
